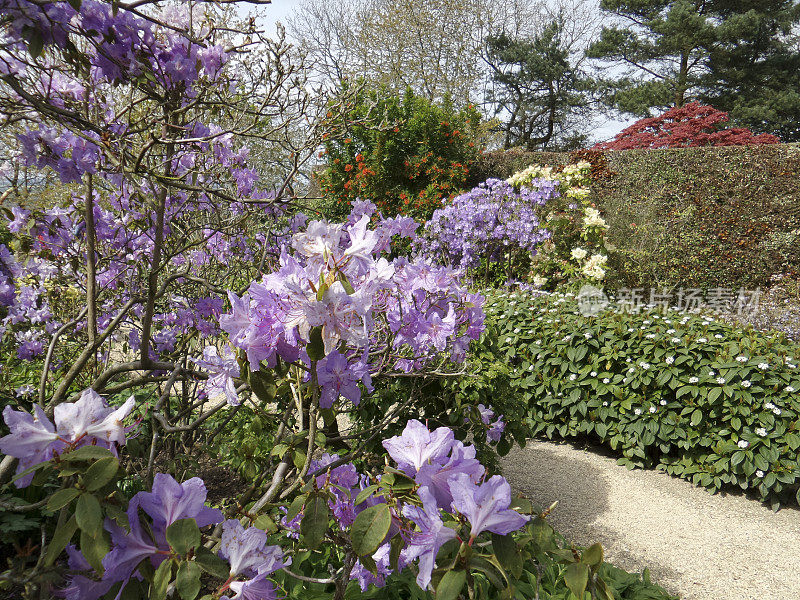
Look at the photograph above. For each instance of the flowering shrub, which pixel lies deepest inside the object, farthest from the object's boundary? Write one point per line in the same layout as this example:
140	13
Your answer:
680	392
576	249
405	154
492	225
693	124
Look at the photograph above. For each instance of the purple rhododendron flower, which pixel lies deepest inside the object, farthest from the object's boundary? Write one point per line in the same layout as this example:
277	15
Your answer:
34	439
486	505
170	501
432	535
337	378
223	369
246	549
436	474
417	446
79	586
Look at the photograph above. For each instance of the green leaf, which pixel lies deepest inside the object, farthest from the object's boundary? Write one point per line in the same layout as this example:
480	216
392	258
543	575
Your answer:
365	493
211	563
187	580
61	537
183	535
158	591
100	473
593	555
697	417
370	528
35	43
315	520
87	453
450	585
315	346
94	549
266	523
62	498
507	553
89	515
576	576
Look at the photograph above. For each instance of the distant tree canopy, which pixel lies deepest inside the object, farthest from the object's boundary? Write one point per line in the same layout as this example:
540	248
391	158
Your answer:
538	90
739	55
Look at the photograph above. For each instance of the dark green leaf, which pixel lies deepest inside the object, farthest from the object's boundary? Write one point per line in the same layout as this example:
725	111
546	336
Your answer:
158	590
450	585
211	563
576	576
370	528
183	535
187	580
62	498
315	520
61	537
89	515
100	473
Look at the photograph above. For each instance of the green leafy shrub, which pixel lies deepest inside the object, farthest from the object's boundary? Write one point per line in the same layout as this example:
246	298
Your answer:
693	396
404	153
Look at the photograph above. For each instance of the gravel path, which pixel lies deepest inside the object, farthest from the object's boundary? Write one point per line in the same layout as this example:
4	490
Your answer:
700	546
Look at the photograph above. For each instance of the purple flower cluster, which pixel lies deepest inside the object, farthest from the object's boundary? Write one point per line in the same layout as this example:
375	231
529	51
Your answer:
487	222
495	427
34	439
363	305
451	480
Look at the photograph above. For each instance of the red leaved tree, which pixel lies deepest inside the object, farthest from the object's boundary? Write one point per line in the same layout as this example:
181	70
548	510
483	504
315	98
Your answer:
693	124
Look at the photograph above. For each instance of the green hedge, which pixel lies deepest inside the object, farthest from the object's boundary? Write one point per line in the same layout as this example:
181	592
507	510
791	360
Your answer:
693	396
694	217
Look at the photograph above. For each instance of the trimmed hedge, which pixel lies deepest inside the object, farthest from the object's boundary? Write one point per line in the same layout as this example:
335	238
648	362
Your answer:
693	217
700	399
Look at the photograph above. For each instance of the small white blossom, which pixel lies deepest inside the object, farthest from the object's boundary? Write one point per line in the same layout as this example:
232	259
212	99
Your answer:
670	360
670	331
593	374
693	380
761	432
776	411
637	412
644	365
652	409
790	389
711	373
702	340
763	366
746	383
721	380
760	473
719	336
650	336
663	403
606	380
769	406
676	340
743	444
605	403
573	377
742	359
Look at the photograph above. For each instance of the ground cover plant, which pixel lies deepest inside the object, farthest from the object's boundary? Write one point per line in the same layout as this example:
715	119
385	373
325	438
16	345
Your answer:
689	394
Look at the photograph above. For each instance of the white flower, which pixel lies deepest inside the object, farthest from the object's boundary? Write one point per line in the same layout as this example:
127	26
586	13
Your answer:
605	403
702	340
721	380
746	383
790	389
579	253
628	359
776	411
652	409
663	403
711	373
670	360
719	336
741	359
743	444
508	339
650	336
759	473
530	368
606	380
769	406
670	331
676	340
761	432
644	365
594	266
592	218
573	377
637	412
539	281
593	374
693	380
587	335
763	366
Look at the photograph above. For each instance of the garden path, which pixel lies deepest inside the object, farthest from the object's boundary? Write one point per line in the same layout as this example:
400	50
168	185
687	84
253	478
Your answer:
695	544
